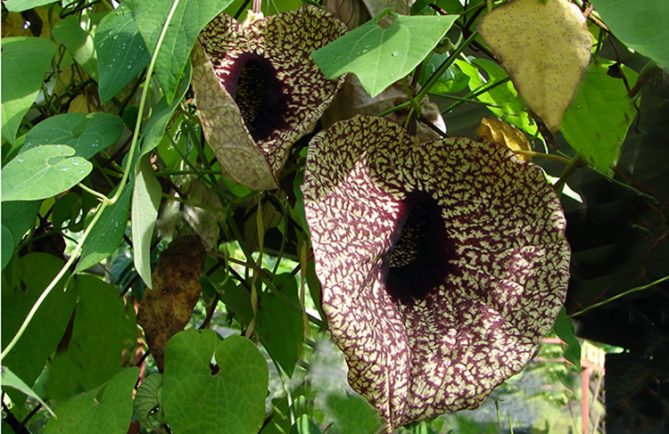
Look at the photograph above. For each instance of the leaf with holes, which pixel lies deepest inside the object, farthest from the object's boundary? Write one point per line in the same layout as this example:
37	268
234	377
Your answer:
25	60
43	172
384	49
226	397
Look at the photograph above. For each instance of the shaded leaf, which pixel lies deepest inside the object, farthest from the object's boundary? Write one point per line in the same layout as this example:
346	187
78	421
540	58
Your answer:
228	397
496	131
144	211
596	124
103	410
102	333
384	49
353	414
280	324
7	246
147	403
166	308
107	234
642	26
188	20
87	134
18	217
545	47
121	52
27	279
43	172
26	60
564	328
304	425
78	42
9	379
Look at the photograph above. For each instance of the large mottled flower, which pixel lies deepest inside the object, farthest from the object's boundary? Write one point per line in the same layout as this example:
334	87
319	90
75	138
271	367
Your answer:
442	263
258	91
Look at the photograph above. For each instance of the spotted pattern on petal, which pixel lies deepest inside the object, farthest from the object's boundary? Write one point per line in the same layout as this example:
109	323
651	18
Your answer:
505	282
300	92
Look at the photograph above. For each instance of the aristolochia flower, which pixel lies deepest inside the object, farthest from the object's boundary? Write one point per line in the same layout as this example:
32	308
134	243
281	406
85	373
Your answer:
258	91
442	263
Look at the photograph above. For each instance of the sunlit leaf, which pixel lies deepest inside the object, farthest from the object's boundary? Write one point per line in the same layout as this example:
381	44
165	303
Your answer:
103	410
596	124
103	331
43	172
384	49
167	307
78	42
24	5
144	211
304	425
545	47
642	26
27	279
25	60
121	51
496	131
88	134
188	20
226	397
564	328
107	234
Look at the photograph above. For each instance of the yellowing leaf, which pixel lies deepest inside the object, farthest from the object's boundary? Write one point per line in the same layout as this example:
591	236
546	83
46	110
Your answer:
545	47
496	131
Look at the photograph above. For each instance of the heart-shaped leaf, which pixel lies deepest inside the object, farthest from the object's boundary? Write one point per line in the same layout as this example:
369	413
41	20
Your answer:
225	397
384	49
88	134
43	172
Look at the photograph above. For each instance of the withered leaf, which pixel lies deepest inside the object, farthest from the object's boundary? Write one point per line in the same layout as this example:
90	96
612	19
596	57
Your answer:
166	308
497	131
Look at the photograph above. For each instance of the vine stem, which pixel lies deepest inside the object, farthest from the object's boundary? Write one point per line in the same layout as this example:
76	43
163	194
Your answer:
621	295
105	204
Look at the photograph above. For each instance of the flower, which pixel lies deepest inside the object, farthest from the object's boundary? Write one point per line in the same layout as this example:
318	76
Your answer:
442	263
258	91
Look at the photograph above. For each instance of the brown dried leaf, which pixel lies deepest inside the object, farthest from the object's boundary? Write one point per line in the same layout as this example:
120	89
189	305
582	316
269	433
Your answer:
166	308
496	131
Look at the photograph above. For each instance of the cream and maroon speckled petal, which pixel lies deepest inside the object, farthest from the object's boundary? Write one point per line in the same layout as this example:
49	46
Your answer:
503	269
294	92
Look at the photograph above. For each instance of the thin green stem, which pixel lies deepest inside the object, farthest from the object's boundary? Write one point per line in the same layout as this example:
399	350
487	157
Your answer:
574	164
621	295
534	154
104	199
111	201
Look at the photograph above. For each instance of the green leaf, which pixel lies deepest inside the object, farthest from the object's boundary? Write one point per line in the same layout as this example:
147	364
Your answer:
642	26
7	246
188	20
26	60
145	203
107	234
280	324
162	113
452	81
78	42
228	398
43	172
353	414
147	402
9	379
104	410
18	217
597	121
24	5
102	333
384	49
88	134
121	51
564	328
503	99
27	280
237	300
304	425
